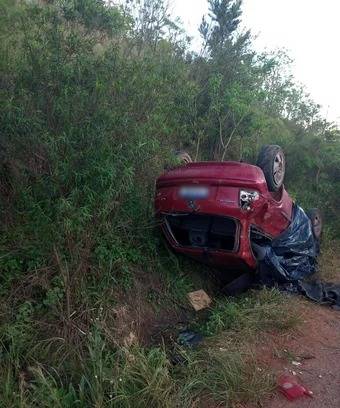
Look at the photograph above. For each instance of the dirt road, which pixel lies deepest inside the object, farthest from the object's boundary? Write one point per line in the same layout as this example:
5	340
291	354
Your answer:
312	354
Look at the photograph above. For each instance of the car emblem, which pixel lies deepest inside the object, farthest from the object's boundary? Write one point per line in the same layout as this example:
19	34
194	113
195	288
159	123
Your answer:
192	205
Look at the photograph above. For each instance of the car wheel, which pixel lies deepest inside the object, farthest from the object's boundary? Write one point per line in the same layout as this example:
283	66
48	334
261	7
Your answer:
183	157
272	161
316	218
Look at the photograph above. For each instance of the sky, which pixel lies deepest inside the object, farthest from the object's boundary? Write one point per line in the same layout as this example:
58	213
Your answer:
308	29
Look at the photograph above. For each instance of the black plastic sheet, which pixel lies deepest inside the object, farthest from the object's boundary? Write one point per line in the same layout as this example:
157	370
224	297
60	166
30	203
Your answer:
321	292
291	256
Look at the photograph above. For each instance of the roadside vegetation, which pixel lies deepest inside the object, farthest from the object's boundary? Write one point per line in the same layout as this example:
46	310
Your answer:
94	99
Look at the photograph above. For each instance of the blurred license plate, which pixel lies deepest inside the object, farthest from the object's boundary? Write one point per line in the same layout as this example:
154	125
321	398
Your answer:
193	193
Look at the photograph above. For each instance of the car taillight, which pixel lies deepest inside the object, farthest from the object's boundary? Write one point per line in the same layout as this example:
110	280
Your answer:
247	197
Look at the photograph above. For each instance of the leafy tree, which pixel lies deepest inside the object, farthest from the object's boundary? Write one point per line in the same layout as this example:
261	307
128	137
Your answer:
220	31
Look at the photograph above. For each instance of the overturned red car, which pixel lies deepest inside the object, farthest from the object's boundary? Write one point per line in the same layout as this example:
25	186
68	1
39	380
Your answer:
220	212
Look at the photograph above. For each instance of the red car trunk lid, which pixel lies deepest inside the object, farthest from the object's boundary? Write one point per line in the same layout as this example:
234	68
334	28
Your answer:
214	173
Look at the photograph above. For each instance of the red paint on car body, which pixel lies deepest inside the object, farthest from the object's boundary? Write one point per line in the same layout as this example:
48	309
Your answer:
270	214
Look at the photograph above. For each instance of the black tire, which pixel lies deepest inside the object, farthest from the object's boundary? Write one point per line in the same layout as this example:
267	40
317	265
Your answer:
272	161
316	219
183	157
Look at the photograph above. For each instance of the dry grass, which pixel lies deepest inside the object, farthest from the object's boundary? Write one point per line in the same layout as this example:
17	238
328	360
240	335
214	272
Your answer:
224	376
329	262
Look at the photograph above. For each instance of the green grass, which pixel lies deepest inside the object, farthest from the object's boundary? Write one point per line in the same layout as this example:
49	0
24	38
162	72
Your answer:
224	376
144	378
223	370
256	311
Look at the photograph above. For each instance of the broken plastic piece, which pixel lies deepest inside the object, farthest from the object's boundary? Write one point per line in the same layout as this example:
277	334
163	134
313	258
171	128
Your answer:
296	363
189	339
291	389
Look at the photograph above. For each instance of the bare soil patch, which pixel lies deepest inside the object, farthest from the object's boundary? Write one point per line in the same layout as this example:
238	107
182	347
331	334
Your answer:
316	347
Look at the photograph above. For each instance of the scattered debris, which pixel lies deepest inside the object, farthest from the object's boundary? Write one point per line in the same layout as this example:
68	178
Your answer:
177	359
306	356
239	285
130	340
291	389
189	338
199	300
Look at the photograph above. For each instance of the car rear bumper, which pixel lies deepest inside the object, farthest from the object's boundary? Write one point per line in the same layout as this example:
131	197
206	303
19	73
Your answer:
232	251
